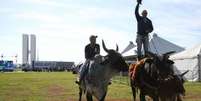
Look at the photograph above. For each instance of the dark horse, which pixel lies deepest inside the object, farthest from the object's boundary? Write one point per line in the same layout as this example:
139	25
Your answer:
101	70
154	76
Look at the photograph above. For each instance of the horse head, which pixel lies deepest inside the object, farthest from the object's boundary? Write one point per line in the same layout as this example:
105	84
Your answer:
169	84
161	63
172	87
180	79
114	58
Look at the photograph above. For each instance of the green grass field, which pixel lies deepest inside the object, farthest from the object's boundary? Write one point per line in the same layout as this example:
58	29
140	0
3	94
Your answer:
60	86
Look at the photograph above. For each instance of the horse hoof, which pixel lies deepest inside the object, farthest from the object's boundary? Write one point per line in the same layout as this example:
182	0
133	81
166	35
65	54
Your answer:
77	82
109	83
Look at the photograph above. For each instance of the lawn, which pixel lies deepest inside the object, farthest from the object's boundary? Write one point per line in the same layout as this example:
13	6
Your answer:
60	86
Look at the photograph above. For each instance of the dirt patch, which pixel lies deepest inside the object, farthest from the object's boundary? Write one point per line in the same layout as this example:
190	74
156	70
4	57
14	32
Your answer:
192	97
105	99
55	90
147	99
71	99
118	100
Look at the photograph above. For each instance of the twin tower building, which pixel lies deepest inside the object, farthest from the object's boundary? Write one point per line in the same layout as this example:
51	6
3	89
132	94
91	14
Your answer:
28	48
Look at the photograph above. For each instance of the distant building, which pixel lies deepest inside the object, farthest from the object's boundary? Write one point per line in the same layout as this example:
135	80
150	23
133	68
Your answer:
28	53
130	59
33	48
25	49
50	66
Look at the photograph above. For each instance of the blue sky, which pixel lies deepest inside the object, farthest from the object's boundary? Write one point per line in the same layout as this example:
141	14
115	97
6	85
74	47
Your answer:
62	27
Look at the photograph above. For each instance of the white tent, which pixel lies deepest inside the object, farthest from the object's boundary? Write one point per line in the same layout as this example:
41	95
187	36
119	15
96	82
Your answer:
160	46
157	45
189	59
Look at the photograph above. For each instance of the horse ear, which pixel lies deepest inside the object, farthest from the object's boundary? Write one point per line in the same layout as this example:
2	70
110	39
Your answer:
117	48
169	53
184	73
104	47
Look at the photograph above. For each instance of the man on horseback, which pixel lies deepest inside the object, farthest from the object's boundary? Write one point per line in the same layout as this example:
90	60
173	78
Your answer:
144	27
91	50
95	81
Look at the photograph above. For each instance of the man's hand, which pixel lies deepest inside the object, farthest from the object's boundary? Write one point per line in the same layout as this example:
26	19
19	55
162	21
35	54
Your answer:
147	31
139	1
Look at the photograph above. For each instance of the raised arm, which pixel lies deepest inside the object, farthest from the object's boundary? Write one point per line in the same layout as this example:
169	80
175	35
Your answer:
137	15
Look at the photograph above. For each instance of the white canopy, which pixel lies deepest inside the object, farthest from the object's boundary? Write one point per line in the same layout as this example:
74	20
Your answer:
188	53
156	45
160	46
190	59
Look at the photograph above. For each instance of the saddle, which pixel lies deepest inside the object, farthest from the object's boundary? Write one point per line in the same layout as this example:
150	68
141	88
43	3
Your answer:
135	67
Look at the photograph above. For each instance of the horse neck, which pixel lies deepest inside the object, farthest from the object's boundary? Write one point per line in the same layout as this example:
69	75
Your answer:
150	70
102	71
107	72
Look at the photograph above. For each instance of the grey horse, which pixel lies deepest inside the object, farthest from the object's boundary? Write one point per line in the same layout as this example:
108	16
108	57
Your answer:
100	72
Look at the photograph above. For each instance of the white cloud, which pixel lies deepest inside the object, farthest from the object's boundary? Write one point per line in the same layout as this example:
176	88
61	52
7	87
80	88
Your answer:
5	10
101	13
190	2
44	2
41	17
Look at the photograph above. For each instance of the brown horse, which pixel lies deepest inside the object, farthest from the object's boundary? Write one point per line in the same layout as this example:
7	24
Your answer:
154	76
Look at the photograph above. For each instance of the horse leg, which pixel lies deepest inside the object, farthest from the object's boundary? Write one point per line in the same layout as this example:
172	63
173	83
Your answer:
142	97
133	91
89	97
103	97
179	97
155	98
80	93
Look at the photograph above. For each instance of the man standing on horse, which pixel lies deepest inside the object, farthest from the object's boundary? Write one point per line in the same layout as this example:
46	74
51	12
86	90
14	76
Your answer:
144	27
91	50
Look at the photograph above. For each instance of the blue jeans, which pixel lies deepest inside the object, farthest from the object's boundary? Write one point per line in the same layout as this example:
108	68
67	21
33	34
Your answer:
84	69
142	40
